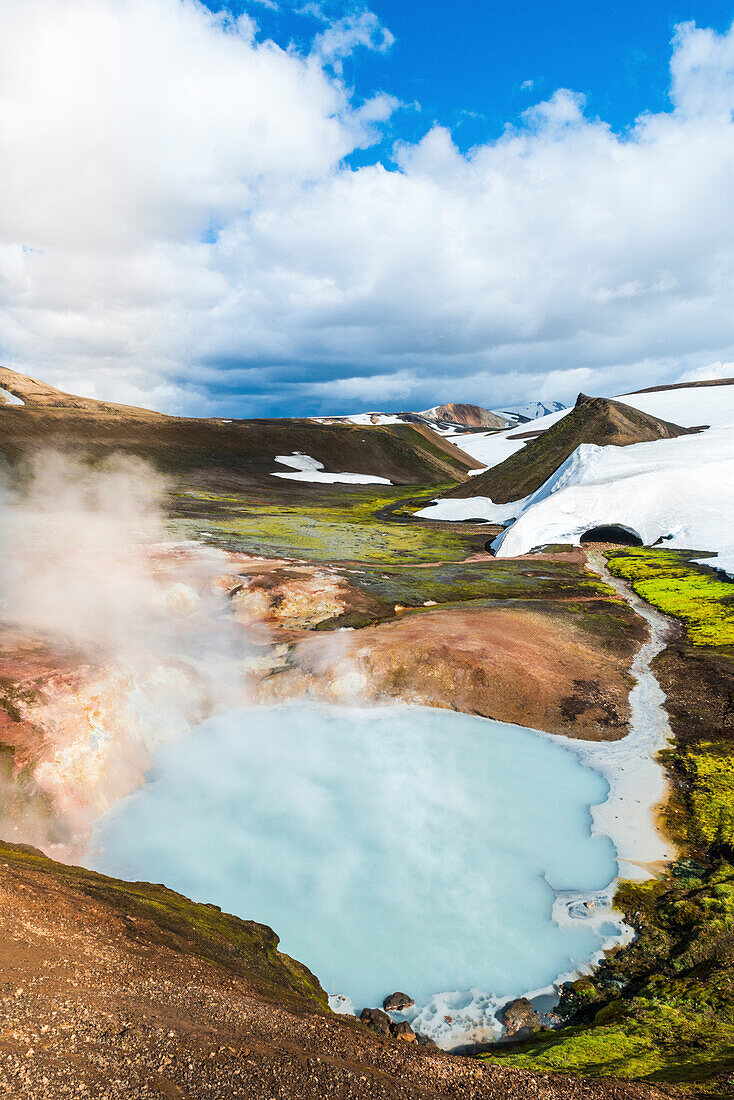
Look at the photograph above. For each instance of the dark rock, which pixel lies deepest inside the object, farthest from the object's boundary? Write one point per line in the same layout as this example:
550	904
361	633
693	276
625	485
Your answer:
375	1018
396	1002
520	1020
424	1041
404	1031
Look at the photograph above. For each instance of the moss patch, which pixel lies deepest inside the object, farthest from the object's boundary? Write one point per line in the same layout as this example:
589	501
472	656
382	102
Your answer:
691	592
344	525
486	580
712	795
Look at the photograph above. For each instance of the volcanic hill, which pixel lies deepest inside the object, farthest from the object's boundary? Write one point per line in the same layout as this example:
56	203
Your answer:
596	420
468	416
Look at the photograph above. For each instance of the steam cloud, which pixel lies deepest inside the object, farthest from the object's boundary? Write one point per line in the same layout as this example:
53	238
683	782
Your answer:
138	636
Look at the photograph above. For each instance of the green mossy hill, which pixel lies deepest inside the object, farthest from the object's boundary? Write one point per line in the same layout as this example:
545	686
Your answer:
345	523
159	916
593	420
662	1008
691	592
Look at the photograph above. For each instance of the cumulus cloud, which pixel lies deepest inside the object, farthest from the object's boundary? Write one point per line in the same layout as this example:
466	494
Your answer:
343	36
179	223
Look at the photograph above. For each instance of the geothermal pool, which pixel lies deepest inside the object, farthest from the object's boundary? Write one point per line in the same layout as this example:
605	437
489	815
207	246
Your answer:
393	848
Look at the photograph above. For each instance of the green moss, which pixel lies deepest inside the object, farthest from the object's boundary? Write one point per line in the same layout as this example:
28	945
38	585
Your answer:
349	525
611	1051
712	795
487	580
691	592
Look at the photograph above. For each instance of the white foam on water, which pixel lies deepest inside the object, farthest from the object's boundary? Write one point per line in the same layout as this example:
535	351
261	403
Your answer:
390	848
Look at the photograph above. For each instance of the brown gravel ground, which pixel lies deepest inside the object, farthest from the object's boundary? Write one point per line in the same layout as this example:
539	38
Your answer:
99	1006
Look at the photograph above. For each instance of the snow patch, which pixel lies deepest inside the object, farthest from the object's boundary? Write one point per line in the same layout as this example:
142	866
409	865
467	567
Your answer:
531	409
680	490
7	398
489	448
463	509
309	469
368	418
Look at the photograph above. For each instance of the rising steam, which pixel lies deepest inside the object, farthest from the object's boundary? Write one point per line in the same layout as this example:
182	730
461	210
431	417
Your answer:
137	638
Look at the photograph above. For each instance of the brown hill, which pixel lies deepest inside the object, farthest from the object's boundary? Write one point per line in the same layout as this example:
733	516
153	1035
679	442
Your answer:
596	420
468	416
218	452
39	394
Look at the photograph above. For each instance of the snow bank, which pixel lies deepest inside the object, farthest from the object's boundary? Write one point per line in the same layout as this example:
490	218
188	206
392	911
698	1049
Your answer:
309	469
691	407
680	490
489	448
468	508
8	398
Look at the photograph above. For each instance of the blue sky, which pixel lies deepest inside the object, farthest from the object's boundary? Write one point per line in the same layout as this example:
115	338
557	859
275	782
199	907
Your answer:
467	64
324	207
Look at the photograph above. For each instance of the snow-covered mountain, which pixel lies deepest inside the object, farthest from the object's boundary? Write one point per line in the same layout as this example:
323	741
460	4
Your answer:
442	418
531	410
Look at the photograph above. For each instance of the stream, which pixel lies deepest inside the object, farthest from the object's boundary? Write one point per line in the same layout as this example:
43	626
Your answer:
637	780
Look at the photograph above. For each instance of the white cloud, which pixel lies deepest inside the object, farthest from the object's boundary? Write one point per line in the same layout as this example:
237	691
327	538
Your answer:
343	36
709	370
176	218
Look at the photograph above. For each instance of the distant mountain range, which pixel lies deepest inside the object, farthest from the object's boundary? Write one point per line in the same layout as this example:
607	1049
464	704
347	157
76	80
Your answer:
531	410
458	416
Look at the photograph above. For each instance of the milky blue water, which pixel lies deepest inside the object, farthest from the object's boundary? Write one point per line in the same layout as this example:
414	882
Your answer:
391	848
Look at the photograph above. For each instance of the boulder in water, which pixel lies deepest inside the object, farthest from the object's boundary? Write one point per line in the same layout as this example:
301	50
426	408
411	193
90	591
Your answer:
520	1020
397	1002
